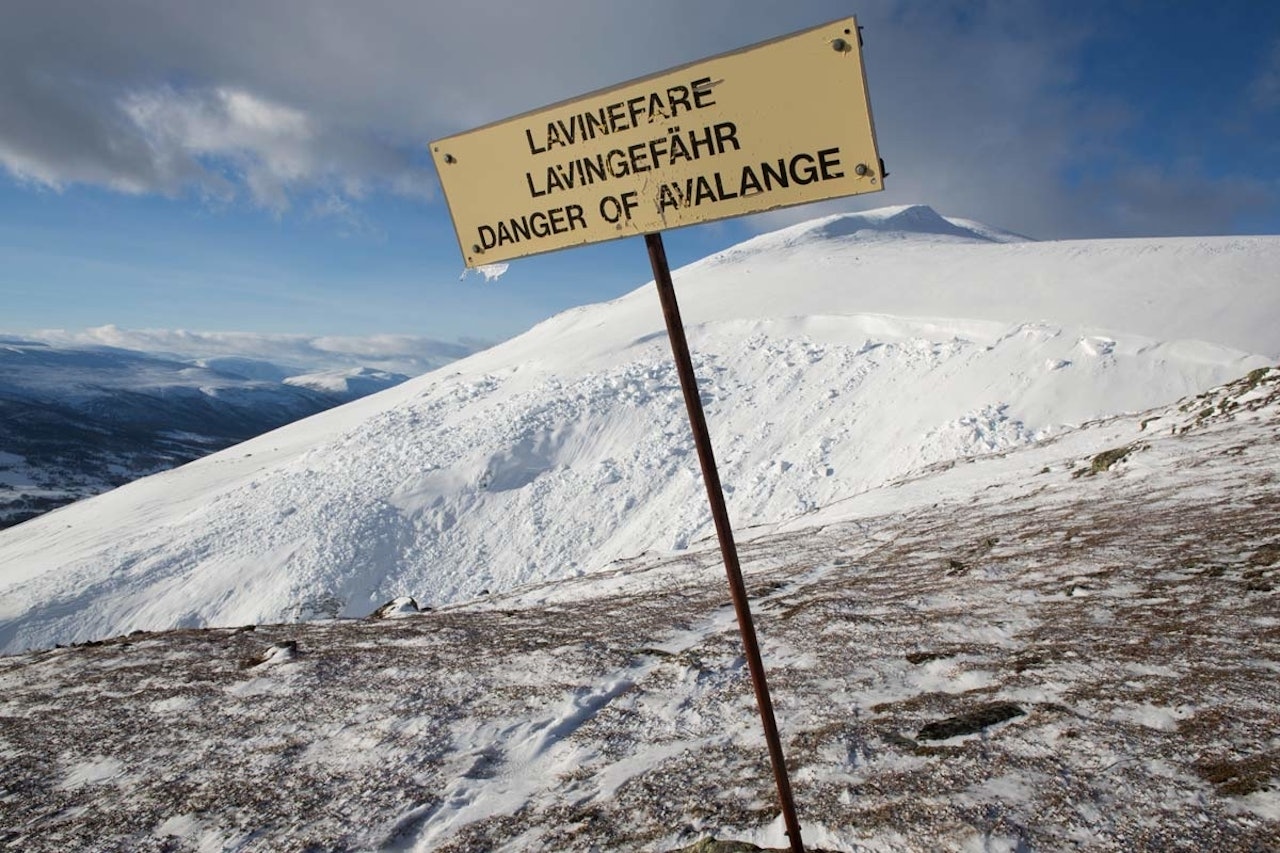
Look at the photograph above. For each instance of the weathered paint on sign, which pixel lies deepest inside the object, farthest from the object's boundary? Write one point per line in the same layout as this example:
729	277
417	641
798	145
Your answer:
781	123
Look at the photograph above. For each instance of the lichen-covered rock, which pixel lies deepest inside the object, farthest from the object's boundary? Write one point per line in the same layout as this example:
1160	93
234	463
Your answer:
971	722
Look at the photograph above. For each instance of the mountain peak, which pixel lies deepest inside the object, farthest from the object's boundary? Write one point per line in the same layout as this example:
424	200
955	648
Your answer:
914	222
903	221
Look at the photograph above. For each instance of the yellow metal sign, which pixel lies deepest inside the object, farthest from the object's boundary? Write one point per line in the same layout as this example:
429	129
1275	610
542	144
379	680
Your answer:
781	123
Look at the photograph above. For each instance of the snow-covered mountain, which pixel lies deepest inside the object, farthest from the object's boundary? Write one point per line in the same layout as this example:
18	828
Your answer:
835	357
77	421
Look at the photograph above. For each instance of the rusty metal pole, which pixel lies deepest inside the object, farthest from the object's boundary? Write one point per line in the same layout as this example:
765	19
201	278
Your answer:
720	515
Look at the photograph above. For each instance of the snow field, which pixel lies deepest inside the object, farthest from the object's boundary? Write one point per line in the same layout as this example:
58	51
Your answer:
488	486
834	358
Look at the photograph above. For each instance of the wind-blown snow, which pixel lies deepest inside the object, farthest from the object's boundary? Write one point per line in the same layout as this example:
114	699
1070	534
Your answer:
492	272
833	356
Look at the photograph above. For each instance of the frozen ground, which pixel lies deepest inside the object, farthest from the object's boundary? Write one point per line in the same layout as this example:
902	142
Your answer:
1099	608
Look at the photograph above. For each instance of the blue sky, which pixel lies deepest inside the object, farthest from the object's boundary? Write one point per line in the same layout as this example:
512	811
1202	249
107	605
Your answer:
260	167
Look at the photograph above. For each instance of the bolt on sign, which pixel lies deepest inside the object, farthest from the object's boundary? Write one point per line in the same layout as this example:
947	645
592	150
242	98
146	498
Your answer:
780	123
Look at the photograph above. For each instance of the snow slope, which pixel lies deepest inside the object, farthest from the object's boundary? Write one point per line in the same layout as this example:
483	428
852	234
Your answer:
834	356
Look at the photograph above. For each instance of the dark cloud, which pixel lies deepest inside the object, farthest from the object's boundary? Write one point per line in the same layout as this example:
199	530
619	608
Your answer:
975	103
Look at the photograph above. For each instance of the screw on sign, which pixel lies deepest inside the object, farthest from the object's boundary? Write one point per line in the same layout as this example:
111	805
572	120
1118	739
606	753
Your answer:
777	124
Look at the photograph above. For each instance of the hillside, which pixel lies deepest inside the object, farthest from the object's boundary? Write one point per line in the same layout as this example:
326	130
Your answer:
1066	646
835	357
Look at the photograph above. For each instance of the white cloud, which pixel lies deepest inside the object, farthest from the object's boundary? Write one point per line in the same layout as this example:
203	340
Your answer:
292	101
406	354
269	146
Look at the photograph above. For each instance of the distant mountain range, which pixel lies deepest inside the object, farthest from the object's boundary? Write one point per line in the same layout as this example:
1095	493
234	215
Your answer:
77	421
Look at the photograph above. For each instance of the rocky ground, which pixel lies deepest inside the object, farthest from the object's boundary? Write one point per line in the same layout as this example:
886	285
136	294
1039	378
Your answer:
1069	647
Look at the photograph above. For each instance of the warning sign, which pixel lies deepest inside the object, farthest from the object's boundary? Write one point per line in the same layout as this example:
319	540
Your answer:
781	123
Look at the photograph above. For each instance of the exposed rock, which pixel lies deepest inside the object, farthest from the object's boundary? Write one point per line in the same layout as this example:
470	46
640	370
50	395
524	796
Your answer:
396	608
970	722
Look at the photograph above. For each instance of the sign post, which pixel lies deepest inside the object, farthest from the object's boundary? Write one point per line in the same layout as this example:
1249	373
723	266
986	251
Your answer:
724	532
780	123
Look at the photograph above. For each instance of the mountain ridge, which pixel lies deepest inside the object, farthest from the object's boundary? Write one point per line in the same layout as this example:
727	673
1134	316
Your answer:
900	222
78	421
